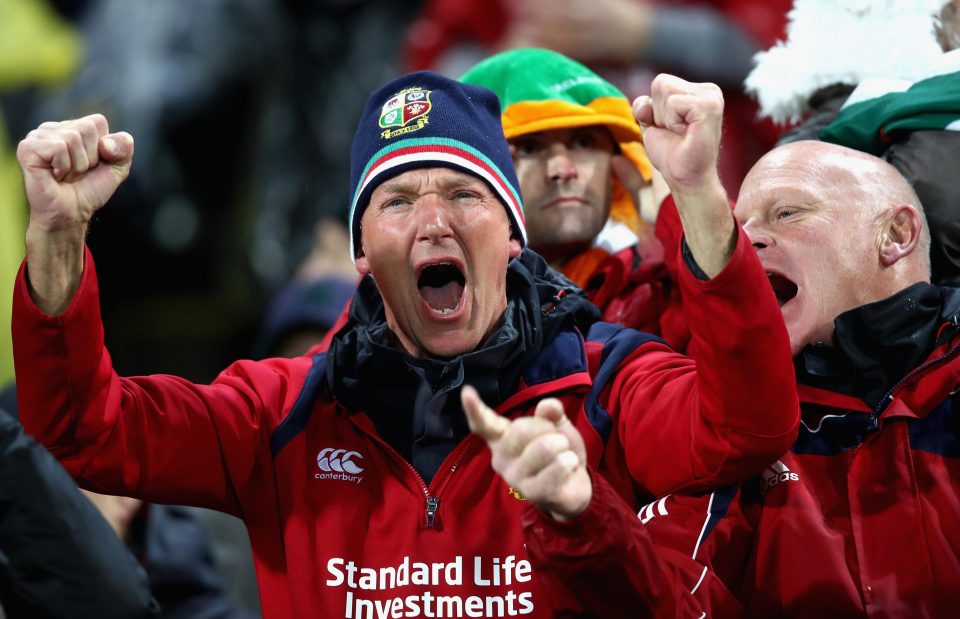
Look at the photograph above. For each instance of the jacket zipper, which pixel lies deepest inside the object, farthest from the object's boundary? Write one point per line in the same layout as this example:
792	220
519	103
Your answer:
432	504
432	500
888	397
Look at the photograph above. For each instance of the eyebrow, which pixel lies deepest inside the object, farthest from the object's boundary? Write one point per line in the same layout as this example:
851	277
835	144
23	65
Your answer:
445	182
448	183
397	187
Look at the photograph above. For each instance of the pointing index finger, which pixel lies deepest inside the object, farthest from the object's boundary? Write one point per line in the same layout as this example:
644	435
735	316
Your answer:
482	419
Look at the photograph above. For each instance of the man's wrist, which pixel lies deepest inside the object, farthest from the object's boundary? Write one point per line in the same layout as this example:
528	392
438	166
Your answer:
567	517
54	265
708	226
571	514
706	188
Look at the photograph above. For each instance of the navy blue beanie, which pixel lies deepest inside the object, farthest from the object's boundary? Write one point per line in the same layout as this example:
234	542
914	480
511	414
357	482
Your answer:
425	120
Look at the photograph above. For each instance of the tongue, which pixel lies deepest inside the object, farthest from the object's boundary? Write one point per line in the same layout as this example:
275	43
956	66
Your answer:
443	298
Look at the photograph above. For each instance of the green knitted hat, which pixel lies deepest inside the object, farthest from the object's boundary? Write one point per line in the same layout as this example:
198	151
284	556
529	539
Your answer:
541	90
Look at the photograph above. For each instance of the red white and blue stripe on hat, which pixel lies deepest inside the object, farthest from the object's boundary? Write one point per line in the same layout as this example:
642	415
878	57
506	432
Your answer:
415	153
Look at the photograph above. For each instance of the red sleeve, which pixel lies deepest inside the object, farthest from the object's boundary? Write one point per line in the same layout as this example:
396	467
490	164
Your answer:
605	564
692	424
669	231
159	438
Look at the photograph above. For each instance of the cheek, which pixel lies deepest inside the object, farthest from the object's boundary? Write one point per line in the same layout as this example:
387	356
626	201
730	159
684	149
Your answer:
385	257
598	177
494	248
841	274
529	174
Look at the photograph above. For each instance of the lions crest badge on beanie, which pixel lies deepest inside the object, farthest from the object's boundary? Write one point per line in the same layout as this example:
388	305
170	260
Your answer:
405	107
457	126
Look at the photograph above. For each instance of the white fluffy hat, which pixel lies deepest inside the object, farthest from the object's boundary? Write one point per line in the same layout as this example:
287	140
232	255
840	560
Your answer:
843	41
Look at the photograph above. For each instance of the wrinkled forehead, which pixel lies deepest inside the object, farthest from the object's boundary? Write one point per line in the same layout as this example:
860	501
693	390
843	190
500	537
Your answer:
431	179
808	172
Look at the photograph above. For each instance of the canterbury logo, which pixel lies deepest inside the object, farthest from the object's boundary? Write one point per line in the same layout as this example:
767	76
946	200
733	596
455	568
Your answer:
339	461
775	474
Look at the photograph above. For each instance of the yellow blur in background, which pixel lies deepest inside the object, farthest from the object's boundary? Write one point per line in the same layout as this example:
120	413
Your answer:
37	48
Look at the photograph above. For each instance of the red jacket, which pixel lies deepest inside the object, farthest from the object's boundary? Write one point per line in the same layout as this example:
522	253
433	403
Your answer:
637	286
861	518
338	521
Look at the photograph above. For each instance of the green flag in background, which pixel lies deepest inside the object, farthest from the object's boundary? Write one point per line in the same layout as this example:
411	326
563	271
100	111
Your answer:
870	125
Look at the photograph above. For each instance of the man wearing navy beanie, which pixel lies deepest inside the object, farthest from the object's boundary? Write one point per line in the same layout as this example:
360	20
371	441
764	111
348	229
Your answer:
362	488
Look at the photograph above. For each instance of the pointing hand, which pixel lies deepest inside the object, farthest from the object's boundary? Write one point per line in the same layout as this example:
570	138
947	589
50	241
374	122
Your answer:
542	456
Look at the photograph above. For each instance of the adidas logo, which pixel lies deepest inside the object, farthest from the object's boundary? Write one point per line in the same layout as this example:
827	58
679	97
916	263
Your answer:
775	474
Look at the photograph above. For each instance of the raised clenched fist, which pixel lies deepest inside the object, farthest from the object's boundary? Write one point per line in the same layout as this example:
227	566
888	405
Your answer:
681	124
70	169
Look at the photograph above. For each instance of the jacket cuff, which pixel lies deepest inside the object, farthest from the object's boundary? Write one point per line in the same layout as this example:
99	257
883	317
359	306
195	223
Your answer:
27	308
593	533
57	358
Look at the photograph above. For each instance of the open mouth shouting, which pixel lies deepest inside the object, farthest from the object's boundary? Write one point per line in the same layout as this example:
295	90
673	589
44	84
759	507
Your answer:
441	286
784	289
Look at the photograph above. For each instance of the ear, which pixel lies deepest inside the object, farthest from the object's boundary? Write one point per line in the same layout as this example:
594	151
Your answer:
363	265
515	247
901	234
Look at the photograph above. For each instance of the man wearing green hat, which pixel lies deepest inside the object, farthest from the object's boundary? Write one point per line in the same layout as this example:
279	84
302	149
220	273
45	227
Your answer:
579	158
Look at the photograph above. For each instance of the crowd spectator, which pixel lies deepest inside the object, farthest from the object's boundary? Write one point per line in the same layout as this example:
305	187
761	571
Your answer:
860	515
303	312
585	181
358	460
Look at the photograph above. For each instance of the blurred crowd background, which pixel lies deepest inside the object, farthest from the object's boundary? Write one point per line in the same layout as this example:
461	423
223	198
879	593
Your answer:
230	230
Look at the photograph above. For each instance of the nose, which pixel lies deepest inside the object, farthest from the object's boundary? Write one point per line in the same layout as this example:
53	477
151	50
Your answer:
433	216
560	166
759	238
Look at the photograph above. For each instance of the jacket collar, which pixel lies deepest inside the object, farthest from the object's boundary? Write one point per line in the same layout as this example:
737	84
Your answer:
414	402
878	344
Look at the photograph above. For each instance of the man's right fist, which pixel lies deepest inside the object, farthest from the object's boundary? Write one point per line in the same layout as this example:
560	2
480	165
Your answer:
681	124
71	169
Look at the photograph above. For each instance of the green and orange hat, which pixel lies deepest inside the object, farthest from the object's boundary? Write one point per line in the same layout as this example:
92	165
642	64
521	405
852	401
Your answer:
542	90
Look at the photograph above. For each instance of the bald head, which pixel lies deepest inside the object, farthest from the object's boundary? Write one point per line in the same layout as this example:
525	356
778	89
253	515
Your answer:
836	228
839	166
859	179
